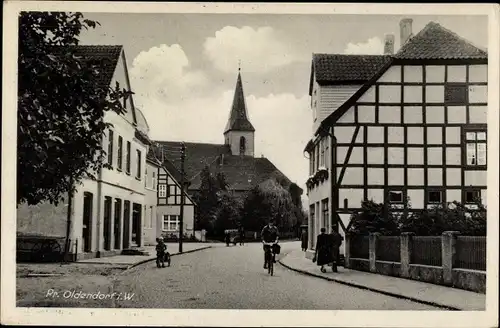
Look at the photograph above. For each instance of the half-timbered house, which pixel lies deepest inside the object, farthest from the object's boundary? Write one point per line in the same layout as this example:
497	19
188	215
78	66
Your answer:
410	125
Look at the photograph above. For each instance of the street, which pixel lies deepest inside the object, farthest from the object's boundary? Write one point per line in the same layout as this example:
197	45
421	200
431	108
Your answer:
234	278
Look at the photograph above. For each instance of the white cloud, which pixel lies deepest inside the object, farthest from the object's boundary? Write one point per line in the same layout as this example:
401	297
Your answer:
373	46
259	50
164	72
282	121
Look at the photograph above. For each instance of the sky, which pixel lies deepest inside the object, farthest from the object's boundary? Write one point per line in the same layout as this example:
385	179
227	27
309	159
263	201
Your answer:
183	69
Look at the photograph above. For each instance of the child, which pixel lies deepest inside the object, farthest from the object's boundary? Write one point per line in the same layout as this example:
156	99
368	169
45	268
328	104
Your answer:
161	249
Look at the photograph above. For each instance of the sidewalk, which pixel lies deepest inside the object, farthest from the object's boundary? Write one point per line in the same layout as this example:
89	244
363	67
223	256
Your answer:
134	260
441	296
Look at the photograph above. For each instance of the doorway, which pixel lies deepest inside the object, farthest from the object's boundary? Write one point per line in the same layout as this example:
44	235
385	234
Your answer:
126	224
88	204
136	224
107	223
117	225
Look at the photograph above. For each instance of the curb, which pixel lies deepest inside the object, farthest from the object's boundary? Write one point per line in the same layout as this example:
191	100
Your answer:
172	255
447	307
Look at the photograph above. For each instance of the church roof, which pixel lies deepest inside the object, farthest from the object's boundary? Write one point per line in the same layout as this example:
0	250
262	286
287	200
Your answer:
436	42
242	172
238	117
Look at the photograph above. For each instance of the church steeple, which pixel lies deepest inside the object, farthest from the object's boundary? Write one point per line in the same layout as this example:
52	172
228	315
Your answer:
239	132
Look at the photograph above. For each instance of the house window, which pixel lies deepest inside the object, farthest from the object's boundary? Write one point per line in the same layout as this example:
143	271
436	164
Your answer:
162	191
139	162
476	148
313	160
242	145
455	93
395	197
120	152
322	150
151	217
128	157
327	158
317	156
325	212
171	223
110	147
434	197
154	181
472	196
146	177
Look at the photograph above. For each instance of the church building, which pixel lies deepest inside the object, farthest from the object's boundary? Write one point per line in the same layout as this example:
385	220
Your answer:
235	158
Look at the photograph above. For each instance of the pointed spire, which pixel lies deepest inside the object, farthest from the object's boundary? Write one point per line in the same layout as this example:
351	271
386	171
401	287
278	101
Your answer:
238	117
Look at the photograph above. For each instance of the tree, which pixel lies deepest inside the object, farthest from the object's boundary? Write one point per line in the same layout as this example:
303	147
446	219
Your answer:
374	217
206	200
61	107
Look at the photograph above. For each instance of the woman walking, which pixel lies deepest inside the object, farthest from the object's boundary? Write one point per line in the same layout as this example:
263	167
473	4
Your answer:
323	254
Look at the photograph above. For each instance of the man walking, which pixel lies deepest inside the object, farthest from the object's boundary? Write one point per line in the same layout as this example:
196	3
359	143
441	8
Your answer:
336	242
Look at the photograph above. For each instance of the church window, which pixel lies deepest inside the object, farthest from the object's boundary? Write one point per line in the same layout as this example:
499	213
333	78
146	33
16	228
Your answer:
242	145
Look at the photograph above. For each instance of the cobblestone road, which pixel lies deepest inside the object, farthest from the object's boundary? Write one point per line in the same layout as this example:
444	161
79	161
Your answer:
233	278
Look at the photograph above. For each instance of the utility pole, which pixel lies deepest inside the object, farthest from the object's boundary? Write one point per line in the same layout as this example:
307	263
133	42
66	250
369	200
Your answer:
181	228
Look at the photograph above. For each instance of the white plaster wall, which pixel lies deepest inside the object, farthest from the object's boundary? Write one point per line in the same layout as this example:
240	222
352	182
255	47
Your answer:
413	73
375	155
456	114
375	176
475	178
348	116
395	177
345	218
478	73
375	134
415	177
435	155
368	96
234	142
413	114
434	73
176	210
453	135
435	177
366	114
389	114
344	134
354	197
352	176
395	155
434	94
329	98
453	195
416	198
453	177
389	94
434	114
412	94
478	114
77	215
376	195
434	135
478	94
457	73
395	134
393	74
415	155
453	156
415	135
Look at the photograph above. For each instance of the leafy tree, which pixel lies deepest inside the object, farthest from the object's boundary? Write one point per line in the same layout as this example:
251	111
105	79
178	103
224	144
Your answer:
61	106
206	199
374	217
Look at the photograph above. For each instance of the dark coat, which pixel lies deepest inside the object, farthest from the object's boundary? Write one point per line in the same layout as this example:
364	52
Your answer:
303	238
324	249
336	240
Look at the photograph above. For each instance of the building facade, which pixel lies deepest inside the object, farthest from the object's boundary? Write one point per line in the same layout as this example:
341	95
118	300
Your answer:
106	213
415	129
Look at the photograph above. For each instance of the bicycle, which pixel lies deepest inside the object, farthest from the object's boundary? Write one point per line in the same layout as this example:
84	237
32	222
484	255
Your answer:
270	257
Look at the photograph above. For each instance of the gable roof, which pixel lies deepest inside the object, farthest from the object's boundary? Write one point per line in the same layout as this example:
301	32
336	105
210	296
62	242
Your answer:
433	42
238	117
107	55
436	42
345	69
242	172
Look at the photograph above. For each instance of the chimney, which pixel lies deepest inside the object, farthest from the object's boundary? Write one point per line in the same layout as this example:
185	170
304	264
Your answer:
389	44
405	30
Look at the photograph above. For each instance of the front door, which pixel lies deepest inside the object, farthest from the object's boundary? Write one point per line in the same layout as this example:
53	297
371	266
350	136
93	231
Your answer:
88	200
126	224
136	224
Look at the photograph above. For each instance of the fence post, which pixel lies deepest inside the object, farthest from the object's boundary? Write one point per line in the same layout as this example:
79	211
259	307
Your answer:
372	251
347	251
406	250
448	253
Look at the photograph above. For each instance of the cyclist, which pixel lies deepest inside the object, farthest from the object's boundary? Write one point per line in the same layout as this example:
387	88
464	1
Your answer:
269	235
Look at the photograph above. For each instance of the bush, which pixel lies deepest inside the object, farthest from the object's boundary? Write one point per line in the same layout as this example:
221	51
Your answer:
374	217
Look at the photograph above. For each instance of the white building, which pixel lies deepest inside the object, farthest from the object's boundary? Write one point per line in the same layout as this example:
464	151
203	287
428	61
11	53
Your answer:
410	124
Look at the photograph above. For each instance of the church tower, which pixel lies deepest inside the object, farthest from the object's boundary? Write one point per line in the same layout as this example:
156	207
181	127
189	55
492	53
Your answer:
239	132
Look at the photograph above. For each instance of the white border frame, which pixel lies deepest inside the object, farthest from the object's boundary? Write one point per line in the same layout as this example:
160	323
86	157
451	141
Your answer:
234	318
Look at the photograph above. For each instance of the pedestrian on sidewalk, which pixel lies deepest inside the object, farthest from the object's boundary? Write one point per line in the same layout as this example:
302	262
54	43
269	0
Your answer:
227	238
303	238
336	242
323	254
